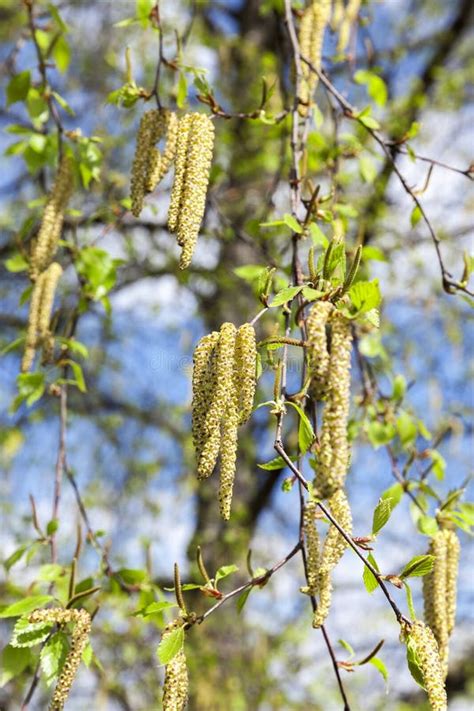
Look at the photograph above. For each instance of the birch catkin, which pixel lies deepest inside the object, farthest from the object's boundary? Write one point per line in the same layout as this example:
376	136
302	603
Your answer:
318	354
324	599
246	364
311	38
49	284
349	16
175	688
452	571
49	233
160	163
188	197
41	305
333	457
31	340
80	637
422	638
312	546
224	379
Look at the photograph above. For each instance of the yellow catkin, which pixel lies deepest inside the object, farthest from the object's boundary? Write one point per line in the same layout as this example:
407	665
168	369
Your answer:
345	24
434	594
324	600
246	364
229	450
312	546
176	684
31	340
160	163
49	284
49	233
452	571
334	544
334	447
203	387
337	14
193	204
424	642
224	373
318	354
80	637
311	38
181	157
147	158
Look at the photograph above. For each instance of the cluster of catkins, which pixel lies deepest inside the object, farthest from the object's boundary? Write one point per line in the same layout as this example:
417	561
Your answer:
189	143
44	273
314	21
80	637
175	688
440	590
224	377
422	640
329	363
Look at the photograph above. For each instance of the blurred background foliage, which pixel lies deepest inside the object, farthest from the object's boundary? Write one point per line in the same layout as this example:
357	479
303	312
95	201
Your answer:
138	318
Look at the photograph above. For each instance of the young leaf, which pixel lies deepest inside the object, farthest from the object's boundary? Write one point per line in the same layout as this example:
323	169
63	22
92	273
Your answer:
305	429
273	464
394	493
243	599
53	655
224	571
292	223
378	664
18	87
25	606
347	647
171	643
411	606
14	662
365	295
419	565
370	581
413	663
381	515
285	295
415	216
28	634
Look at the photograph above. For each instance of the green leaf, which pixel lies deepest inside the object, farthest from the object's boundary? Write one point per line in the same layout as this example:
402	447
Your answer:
380	666
132	576
318	237
376	87
242	599
14	662
311	294
413	663
54	12
380	433
285	295
381	515
17	263
273	464
399	388
407	429
419	565
53	655
367	169
292	223
370	581
143	9
250	272
63	103
182	91
394	493
78	374
347	647
374	253
18	87
411	606
87	655
62	54
98	269
25	606
368	121
171	643
439	463
427	525
415	216
28	634
15	557
305	429
224	571
365	295
156	607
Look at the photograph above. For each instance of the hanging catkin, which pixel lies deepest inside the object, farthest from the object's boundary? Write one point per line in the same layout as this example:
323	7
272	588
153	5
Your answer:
312	546
311	38
317	350
49	233
41	305
188	197
175	688
31	340
439	590
203	388
424	642
345	23
333	549
246	364
160	163
49	284
224	377
333	457
80	637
